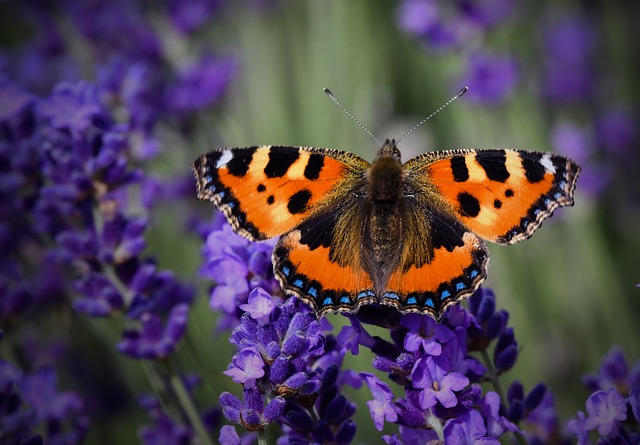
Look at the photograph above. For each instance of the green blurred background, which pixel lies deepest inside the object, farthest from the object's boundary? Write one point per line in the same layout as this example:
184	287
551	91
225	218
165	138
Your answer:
571	289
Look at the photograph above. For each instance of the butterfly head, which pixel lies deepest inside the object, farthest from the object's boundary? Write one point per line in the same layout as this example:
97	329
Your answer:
389	149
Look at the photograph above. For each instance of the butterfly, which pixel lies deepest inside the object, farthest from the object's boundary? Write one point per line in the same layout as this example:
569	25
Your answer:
410	235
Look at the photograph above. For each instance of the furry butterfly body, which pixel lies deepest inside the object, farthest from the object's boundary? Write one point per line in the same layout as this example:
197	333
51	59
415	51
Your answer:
405	235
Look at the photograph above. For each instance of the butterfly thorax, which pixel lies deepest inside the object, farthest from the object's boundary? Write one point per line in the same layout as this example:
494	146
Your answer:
382	245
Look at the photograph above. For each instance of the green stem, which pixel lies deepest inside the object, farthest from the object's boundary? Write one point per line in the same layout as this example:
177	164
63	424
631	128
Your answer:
190	410
263	436
497	385
435	425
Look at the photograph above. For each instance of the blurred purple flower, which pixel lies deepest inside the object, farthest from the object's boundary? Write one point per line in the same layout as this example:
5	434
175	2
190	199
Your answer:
615	373
190	15
605	409
156	339
72	106
201	84
567	50
578	143
576	426
634	402
443	25
229	436
490	78
617	132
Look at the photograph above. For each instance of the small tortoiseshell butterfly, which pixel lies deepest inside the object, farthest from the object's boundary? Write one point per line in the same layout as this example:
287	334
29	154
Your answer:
404	235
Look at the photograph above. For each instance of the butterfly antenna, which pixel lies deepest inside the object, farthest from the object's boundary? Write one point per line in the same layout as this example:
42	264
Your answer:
460	93
360	124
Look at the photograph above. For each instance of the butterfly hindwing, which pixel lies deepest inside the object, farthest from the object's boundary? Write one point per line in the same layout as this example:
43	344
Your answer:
266	191
322	269
456	266
501	195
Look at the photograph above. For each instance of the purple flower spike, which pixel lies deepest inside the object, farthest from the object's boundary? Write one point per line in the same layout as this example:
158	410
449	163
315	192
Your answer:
605	410
437	383
381	407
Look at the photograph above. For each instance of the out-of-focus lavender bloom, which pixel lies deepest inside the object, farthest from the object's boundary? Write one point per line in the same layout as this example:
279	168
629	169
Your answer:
156	339
605	409
200	84
164	430
617	132
33	401
190	15
229	436
568	45
579	144
490	78
614	372
443	26
615	389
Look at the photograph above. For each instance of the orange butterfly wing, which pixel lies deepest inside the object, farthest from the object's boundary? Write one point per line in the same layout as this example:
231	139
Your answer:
501	195
296	192
268	190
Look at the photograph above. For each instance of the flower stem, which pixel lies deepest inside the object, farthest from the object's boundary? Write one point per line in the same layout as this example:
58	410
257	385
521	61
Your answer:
190	410
435	425
263	436
497	385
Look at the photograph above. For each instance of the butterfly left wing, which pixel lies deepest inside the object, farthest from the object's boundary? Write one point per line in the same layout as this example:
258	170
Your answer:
501	195
266	191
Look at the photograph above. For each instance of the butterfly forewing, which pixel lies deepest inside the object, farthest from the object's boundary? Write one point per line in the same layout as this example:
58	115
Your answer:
502	195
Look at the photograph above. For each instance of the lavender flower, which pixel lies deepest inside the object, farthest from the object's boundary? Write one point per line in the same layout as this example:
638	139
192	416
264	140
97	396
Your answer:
490	78
237	266
284	358
444	26
612	408
568	71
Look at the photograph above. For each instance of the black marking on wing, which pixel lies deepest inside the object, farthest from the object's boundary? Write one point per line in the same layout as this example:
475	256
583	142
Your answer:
494	163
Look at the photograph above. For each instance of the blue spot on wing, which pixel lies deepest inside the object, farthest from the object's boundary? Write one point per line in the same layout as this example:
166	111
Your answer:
445	294
286	270
429	302
313	292
412	300
460	285
327	302
474	273
391	295
345	300
298	283
364	294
